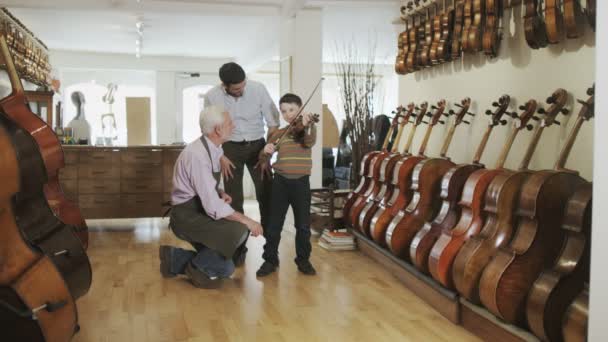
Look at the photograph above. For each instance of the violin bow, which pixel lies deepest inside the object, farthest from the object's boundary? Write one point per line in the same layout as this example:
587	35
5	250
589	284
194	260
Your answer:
293	122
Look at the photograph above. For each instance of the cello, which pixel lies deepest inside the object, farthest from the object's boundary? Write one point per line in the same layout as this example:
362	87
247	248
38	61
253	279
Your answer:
574	326
500	201
35	302
507	279
374	175
386	168
556	288
448	211
425	185
365	180
52	154
449	242
401	179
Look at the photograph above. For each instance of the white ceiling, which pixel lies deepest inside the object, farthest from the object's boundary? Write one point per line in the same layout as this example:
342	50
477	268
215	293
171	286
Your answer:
240	29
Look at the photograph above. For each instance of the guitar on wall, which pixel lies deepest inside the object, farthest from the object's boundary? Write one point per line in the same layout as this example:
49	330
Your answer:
508	278
500	203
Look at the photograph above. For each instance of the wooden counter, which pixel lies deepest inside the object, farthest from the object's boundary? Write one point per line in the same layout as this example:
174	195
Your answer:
119	182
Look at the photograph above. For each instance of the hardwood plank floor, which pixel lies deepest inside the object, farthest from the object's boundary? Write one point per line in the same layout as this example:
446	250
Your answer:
350	299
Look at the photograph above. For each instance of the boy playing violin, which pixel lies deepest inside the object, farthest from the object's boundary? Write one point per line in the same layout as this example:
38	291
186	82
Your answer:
290	186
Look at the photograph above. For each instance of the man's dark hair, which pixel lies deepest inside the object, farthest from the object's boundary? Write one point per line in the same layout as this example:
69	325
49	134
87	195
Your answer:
231	73
291	98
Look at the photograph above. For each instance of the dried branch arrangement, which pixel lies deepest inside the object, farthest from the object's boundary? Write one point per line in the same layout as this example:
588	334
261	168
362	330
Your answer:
358	84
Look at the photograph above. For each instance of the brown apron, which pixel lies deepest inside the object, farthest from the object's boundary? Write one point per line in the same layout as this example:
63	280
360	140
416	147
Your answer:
190	222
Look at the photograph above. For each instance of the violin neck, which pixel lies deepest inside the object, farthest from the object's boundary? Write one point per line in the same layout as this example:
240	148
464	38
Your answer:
482	144
506	149
563	157
531	148
425	141
447	141
410	139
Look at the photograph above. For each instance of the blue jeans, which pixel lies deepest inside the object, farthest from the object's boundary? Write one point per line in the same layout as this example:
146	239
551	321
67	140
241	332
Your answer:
208	261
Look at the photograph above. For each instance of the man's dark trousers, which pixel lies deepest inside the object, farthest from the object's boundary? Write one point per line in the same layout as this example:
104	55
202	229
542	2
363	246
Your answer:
243	154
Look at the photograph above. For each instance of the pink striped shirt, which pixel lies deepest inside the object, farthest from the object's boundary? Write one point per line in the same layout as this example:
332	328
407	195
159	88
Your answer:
193	176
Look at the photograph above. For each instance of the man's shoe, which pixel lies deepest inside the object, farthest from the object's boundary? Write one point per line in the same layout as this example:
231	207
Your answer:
201	280
266	269
165	254
306	268
239	257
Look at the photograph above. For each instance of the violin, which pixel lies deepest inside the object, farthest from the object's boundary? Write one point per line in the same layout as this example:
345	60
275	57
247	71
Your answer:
590	13
411	62
386	169
491	32
425	185
506	281
445	39
475	31
403	44
556	288
500	201
437	32
35	302
534	26
425	54
573	18
554	21
401	180
446	217
449	242
468	22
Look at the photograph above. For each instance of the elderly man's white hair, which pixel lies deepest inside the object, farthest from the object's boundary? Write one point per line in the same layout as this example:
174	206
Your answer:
210	118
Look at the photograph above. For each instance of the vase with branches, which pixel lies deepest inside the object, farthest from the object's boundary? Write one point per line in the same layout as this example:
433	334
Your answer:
358	85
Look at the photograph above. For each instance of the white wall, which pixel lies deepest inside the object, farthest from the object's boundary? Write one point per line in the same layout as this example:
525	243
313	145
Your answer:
599	254
522	73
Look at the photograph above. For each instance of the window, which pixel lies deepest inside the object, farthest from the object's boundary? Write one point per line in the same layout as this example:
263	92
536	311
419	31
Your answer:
193	104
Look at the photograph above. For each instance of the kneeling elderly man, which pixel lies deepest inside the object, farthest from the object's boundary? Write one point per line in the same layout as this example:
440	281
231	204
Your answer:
201	212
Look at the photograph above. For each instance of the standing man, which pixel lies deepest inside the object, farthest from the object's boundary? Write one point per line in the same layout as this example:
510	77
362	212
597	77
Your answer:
250	107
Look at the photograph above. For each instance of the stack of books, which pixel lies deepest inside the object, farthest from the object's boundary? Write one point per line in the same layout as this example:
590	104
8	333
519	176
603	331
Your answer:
337	240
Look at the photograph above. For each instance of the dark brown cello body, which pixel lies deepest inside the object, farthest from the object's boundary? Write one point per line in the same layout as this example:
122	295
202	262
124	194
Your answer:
52	155
449	212
556	289
471	217
401	179
575	320
508	278
374	186
500	205
28	279
426	181
386	169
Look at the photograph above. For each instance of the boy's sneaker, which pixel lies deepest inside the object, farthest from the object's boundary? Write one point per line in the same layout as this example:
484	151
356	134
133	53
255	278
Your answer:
266	269
165	255
306	267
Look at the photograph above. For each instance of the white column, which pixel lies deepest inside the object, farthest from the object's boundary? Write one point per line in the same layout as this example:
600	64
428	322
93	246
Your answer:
302	41
598	331
166	103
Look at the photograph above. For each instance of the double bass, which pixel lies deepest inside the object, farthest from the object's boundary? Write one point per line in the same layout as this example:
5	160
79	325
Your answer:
500	203
386	169
401	180
507	279
556	288
53	157
35	302
439	259
426	178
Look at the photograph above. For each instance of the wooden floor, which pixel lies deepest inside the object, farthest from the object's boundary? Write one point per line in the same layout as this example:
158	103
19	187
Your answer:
350	299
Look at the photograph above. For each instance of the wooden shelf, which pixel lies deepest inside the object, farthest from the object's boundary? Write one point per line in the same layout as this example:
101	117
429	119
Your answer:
443	300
